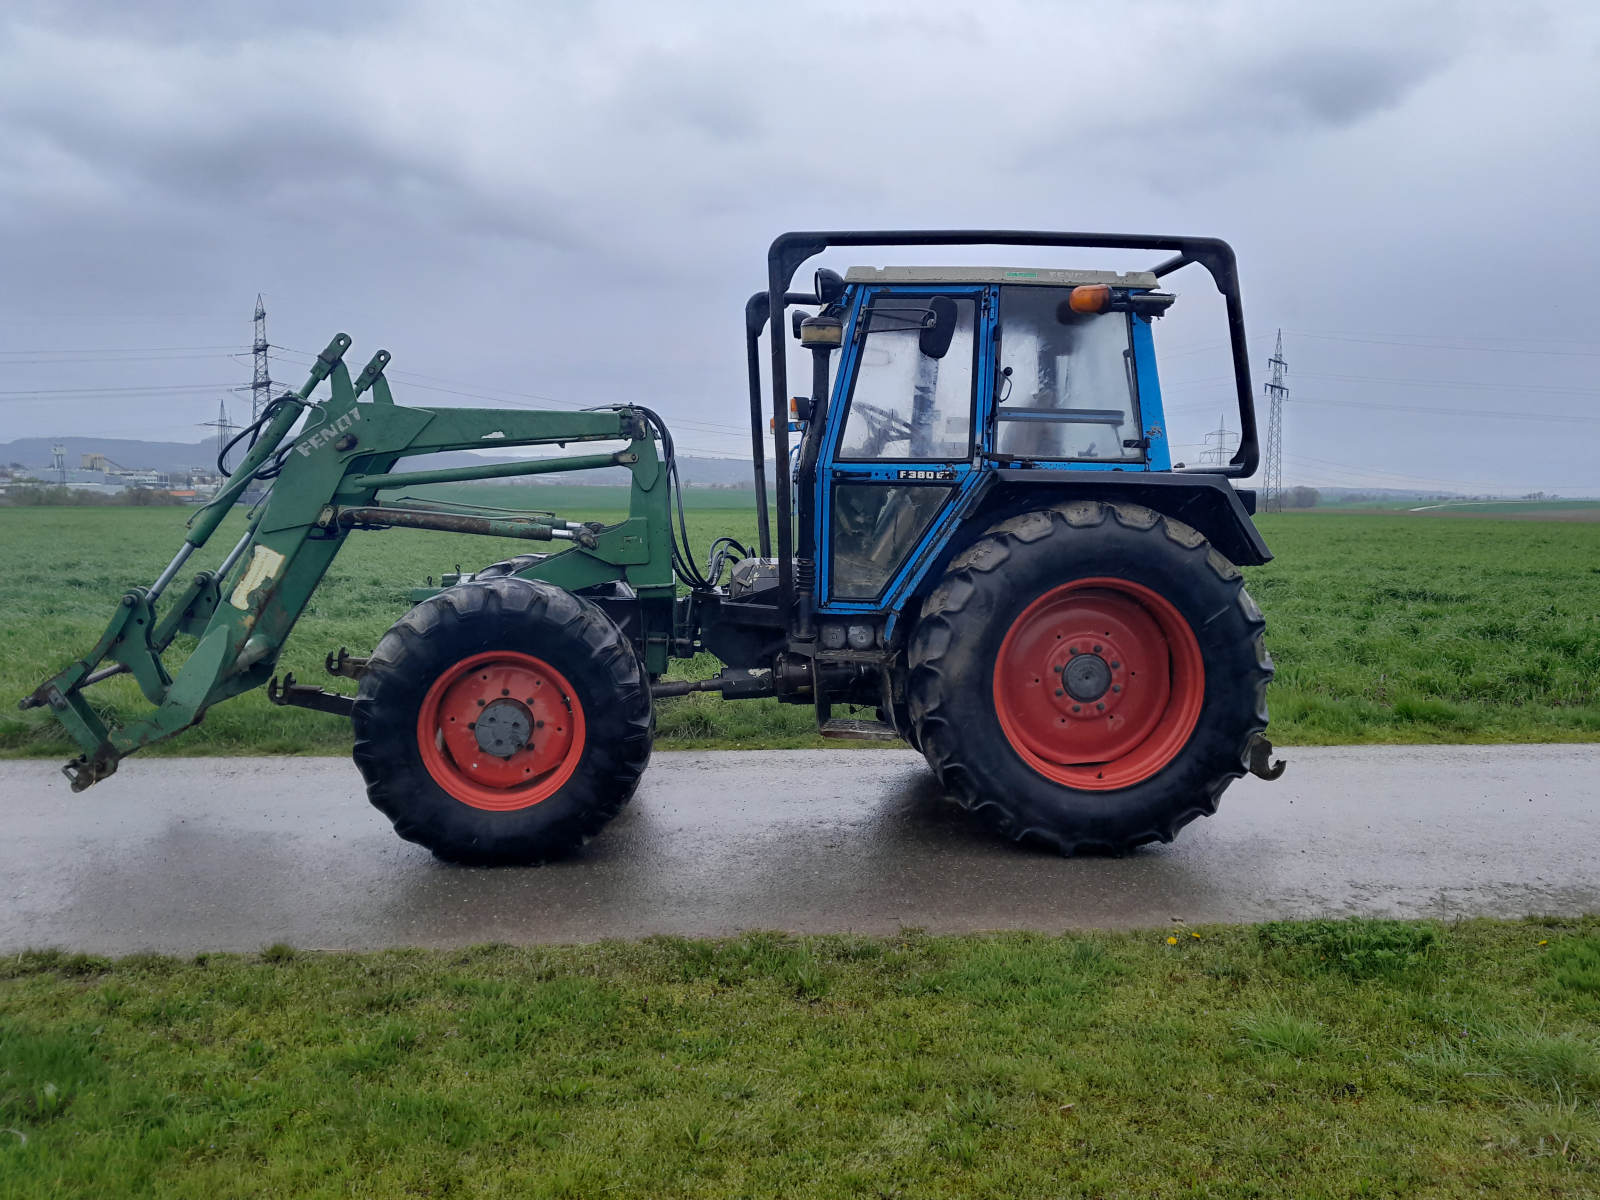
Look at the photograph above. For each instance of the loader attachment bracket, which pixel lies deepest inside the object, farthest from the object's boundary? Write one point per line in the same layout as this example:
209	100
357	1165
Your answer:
1260	753
346	664
305	695
84	772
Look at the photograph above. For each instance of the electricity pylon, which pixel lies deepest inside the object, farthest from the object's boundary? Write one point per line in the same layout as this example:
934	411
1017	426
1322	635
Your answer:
261	384
1272	471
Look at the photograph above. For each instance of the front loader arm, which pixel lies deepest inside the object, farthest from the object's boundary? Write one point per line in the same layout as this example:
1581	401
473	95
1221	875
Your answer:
343	457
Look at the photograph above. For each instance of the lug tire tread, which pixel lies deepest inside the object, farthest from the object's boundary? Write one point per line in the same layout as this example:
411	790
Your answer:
532	617
946	672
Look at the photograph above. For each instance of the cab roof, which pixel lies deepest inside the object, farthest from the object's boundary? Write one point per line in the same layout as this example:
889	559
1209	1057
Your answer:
1048	277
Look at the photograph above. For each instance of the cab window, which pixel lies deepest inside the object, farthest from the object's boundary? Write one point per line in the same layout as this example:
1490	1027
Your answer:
912	394
1066	385
874	528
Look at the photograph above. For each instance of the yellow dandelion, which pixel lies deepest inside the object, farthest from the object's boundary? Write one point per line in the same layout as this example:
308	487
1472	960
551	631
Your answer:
1546	942
1196	936
1172	941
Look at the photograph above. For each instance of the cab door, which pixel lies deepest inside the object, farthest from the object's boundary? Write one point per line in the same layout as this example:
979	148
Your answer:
902	448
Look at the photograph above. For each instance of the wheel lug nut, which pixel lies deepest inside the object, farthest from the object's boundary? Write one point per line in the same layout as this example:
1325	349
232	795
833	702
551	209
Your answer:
1115	664
1097	649
1116	687
1072	649
1101	707
480	703
1058	691
1077	708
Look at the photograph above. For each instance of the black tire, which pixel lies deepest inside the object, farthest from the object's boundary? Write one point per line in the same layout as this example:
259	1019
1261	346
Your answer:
957	643
526	617
895	710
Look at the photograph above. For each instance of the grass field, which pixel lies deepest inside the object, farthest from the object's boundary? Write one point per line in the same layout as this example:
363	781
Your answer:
1412	629
1385	629
1322	1059
1392	504
1512	508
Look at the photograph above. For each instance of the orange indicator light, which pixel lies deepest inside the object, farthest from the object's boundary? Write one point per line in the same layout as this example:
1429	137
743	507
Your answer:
1090	298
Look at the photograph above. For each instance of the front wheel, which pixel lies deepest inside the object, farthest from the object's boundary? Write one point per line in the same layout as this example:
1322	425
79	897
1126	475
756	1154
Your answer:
502	722
1092	676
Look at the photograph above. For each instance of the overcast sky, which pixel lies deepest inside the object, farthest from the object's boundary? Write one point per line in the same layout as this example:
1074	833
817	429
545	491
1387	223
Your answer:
569	203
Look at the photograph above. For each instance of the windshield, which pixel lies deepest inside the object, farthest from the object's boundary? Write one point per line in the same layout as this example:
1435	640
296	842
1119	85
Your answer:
1070	388
905	403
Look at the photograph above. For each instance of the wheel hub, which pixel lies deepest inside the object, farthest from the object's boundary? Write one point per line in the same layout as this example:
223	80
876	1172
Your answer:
1086	677
1089	676
503	728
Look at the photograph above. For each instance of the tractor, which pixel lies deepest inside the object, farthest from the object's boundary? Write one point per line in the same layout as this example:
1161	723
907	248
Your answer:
980	538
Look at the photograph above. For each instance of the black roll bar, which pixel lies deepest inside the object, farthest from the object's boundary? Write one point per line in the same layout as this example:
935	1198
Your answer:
756	310
789	250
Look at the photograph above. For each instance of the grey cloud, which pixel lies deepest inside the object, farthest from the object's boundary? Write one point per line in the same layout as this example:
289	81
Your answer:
1342	86
523	174
169	22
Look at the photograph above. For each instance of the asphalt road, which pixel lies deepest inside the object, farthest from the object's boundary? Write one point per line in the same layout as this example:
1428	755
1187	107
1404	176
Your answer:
181	855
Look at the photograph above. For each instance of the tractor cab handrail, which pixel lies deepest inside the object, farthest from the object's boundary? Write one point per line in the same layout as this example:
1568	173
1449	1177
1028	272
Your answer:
757	309
789	250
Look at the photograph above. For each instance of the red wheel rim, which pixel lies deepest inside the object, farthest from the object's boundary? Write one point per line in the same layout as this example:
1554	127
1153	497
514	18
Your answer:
522	688
1123	712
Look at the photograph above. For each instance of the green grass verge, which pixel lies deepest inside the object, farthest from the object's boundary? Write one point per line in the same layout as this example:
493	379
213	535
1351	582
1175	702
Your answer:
1385	629
1415	629
1366	1058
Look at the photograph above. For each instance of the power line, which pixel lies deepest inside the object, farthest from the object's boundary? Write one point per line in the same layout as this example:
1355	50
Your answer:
121	350
1456	383
170	388
1420	341
1212	381
1450	412
111	319
499	396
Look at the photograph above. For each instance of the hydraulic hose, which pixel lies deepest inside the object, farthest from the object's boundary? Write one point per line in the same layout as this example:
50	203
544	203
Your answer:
287	411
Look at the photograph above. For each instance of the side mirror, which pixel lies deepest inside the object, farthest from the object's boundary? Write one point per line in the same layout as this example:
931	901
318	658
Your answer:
829	286
936	336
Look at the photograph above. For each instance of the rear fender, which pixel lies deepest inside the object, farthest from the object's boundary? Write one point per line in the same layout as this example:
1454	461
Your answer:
1207	503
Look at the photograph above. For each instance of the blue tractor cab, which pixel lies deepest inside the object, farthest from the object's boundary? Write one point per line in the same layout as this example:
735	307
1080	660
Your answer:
981	532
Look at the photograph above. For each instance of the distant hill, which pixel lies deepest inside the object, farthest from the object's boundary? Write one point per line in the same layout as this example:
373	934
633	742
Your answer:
179	456
125	452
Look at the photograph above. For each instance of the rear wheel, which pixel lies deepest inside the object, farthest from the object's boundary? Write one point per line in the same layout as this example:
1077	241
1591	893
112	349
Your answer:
502	722
1091	675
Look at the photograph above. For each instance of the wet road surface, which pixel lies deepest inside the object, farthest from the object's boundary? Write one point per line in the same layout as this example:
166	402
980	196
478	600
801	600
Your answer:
180	855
